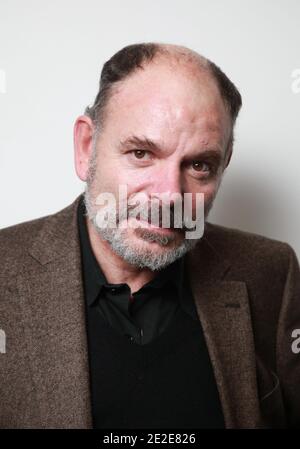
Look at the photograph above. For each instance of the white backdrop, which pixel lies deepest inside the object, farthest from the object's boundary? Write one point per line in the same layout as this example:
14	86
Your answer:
51	54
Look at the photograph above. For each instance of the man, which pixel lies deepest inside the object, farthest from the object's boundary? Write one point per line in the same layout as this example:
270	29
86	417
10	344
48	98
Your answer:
140	326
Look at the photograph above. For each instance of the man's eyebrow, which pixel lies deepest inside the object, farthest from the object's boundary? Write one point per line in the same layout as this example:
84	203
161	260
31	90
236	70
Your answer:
139	143
143	143
213	154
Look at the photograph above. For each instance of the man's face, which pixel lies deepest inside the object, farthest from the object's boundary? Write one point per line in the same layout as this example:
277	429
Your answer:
165	131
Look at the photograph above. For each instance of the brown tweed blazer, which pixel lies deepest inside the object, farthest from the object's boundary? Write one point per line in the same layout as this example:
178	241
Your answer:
247	293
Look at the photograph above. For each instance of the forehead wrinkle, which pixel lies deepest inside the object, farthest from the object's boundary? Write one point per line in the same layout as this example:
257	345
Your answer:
144	100
158	73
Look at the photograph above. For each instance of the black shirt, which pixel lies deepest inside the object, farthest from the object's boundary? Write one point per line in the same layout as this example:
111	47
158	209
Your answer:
140	316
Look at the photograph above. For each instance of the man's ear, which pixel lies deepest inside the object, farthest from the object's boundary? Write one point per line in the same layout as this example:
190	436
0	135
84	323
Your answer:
228	156
83	145
228	151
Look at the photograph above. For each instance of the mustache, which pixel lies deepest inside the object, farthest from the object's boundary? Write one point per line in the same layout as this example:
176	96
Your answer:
156	215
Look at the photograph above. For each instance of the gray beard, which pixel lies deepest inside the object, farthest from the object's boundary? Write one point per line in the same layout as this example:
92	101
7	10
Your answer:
141	258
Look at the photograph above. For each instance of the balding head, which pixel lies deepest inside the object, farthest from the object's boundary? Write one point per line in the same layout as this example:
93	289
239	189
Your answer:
133	58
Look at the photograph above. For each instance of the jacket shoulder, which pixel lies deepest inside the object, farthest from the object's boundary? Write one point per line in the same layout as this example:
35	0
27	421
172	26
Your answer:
16	240
246	249
14	244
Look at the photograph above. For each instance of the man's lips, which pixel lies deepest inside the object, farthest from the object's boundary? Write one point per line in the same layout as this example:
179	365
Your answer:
159	228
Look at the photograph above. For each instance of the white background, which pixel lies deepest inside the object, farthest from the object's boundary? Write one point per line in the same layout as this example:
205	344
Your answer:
52	52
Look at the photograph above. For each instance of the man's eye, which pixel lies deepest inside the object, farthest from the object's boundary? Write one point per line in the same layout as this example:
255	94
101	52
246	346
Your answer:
140	154
201	166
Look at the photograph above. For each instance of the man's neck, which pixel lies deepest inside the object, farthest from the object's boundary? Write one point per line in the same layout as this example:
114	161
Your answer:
115	269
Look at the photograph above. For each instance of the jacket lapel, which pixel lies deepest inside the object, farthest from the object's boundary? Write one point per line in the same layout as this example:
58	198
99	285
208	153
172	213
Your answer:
223	310
53	314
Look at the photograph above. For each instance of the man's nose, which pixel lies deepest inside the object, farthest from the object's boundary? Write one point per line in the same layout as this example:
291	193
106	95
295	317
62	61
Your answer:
167	182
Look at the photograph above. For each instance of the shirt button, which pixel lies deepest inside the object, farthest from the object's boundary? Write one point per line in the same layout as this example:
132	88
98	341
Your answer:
130	338
113	290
